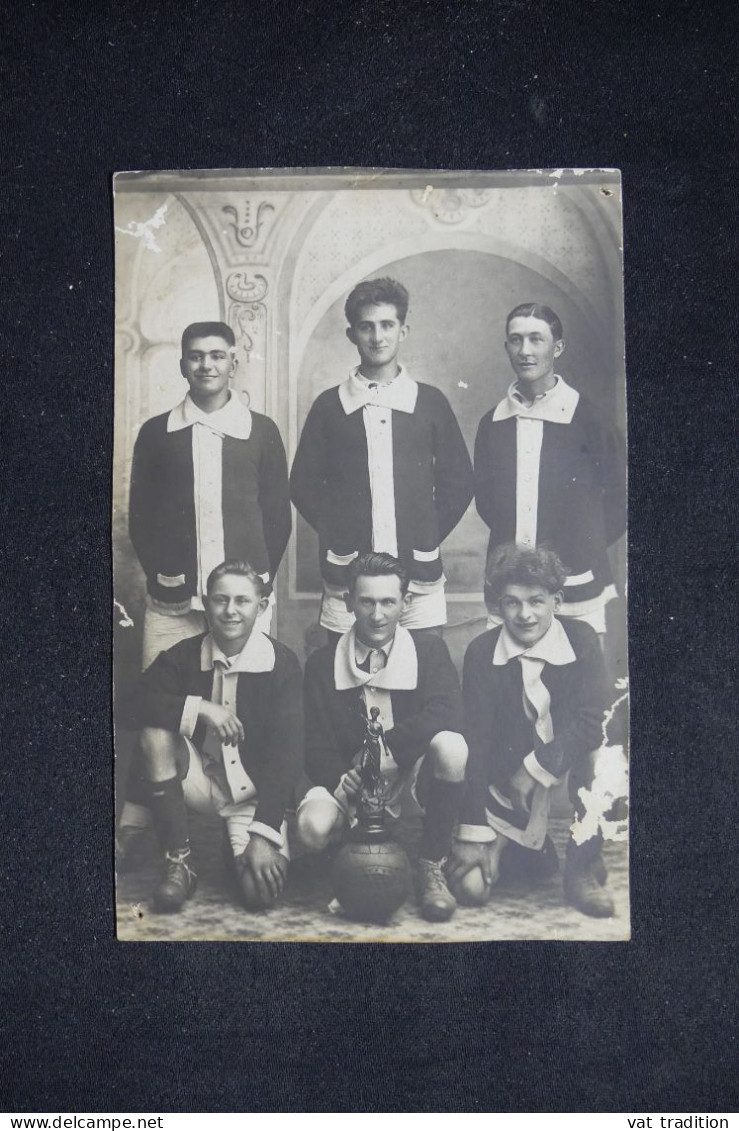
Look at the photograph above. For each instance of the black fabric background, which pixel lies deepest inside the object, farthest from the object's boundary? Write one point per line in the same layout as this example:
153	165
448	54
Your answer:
93	1025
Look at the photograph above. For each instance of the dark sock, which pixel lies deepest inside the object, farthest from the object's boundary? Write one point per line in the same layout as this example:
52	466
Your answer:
170	815
581	856
443	802
138	787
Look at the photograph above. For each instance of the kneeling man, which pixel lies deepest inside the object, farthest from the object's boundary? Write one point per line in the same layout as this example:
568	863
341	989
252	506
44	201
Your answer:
535	695
413	683
221	717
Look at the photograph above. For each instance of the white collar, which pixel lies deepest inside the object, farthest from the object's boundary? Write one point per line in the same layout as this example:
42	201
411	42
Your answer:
553	648
233	419
557	405
399	395
399	674
257	655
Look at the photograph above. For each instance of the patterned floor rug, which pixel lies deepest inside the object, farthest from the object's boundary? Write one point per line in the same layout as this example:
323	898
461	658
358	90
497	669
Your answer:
517	910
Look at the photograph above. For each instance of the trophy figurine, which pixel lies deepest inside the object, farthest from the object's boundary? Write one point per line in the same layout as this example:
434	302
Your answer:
371	873
373	793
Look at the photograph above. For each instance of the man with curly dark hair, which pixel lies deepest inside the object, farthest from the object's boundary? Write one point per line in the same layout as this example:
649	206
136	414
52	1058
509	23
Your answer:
535	694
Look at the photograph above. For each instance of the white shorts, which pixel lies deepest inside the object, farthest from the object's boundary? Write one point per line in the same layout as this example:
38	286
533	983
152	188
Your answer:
162	630
427	608
205	794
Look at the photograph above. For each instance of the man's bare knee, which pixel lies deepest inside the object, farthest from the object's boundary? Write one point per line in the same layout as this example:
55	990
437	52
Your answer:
318	826
159	750
448	754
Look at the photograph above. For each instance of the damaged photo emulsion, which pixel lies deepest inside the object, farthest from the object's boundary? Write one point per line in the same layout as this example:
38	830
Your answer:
369	532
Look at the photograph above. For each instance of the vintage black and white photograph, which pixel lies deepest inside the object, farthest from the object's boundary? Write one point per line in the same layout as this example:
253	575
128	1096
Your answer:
369	537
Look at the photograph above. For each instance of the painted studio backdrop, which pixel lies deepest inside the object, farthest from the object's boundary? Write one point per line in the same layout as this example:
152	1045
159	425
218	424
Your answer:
275	256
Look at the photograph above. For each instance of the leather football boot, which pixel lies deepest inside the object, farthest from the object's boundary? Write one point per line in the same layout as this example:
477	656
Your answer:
598	870
177	886
435	901
583	891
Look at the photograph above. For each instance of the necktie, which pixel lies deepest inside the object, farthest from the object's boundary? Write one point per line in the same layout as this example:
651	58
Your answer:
373	662
536	699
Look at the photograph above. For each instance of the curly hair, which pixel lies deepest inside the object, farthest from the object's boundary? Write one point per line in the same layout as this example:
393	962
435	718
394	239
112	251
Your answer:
378	565
522	565
537	310
372	292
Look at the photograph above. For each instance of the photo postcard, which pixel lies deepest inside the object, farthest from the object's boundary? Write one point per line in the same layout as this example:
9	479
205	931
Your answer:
369	533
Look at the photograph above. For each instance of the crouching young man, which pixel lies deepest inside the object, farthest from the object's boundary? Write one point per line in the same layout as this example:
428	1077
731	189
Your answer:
221	716
535	693
413	683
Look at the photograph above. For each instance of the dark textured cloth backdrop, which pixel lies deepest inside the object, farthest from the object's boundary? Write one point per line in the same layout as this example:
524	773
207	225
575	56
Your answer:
96	1025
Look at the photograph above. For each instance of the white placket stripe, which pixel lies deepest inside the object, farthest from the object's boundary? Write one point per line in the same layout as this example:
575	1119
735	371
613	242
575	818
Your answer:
529	436
198	506
379	430
207	455
241	786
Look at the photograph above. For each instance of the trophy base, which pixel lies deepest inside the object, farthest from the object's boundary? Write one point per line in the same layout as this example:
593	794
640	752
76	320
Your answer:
369	832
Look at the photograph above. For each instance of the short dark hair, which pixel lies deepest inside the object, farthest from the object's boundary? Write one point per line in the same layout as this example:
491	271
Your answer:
240	569
537	310
372	292
522	565
378	565
207	330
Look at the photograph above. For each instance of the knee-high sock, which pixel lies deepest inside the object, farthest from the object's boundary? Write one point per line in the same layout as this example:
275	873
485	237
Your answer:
170	815
581	856
442	813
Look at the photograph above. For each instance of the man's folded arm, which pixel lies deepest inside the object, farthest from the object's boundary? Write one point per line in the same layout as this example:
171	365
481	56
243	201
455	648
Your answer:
161	696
